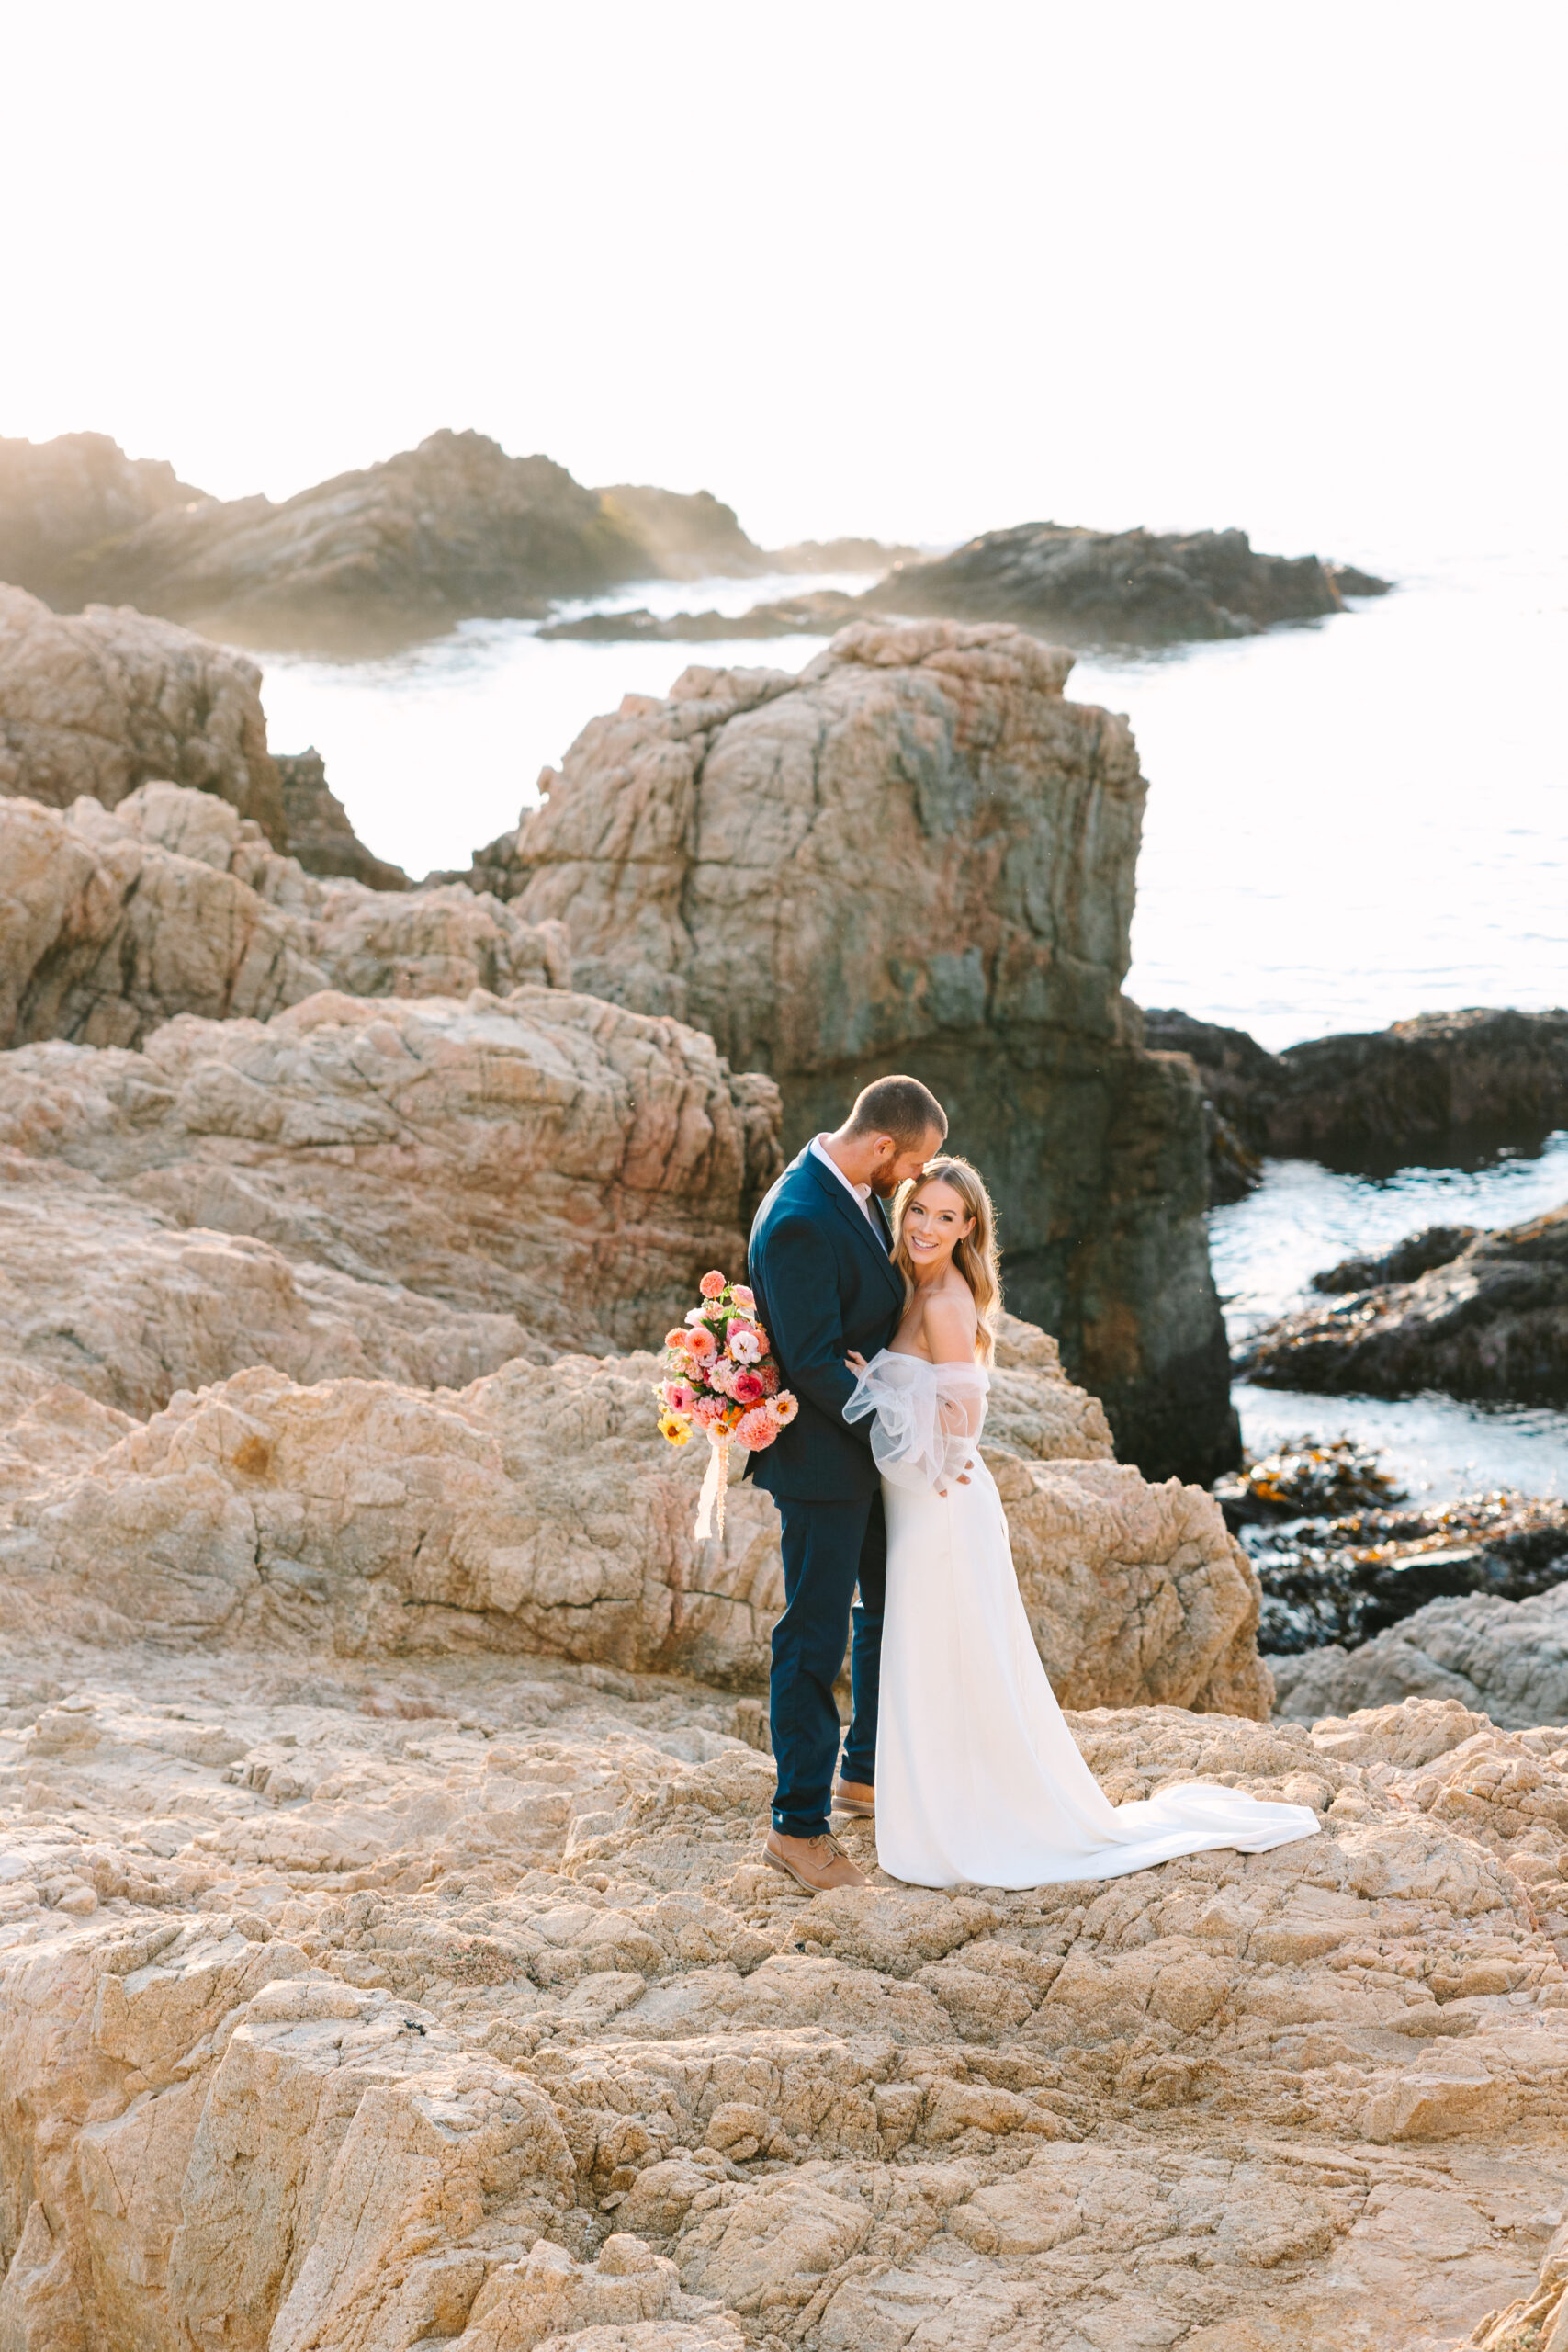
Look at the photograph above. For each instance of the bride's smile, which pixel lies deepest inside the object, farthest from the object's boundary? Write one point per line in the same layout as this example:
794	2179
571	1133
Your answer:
935	1221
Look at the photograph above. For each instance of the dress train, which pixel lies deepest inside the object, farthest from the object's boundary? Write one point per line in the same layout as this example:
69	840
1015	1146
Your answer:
978	1779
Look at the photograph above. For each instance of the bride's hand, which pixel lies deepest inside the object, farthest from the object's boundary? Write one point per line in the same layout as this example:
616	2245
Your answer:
856	1363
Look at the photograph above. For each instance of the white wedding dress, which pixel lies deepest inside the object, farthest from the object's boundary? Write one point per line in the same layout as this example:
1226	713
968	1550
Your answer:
978	1780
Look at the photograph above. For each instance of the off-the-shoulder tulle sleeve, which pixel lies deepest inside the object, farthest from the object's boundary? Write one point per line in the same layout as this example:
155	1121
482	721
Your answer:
928	1417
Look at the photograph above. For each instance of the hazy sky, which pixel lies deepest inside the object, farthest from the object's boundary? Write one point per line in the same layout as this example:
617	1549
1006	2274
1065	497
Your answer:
904	268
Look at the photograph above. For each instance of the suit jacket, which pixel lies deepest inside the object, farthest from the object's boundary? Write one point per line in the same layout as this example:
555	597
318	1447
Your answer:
824	1283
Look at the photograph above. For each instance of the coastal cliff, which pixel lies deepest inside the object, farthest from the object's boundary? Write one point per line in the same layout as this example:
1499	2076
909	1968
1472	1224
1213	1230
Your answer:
917	855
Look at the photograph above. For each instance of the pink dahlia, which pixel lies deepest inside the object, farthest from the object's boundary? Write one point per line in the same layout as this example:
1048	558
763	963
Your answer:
756	1429
709	1413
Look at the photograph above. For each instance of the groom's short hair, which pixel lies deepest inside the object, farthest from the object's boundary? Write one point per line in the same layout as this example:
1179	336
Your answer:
900	1107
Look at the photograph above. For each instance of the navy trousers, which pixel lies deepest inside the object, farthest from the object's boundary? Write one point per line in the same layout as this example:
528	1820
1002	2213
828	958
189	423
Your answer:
829	1549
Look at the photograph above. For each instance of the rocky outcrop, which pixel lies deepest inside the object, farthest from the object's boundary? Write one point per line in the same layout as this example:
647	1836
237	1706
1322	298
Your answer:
1430	1088
1415	1089
349	2008
376	556
62	500
537	1511
113	921
1435	1245
917	855
107	700
1506	1659
687	535
1119	587
320	832
540	1155
818	613
1492	1322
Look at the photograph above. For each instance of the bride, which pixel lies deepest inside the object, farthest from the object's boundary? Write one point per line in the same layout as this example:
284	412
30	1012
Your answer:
978	1779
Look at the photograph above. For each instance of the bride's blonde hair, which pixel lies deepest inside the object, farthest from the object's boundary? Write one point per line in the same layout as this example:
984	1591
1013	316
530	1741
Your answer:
976	1256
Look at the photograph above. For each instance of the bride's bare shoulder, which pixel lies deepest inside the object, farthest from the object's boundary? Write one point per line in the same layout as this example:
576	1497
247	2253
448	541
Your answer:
950	1322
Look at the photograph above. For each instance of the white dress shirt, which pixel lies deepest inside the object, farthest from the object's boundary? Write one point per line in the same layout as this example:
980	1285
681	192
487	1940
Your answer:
858	1192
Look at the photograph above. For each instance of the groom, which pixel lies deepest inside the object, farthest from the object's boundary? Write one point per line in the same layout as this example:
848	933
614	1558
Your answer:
822	1272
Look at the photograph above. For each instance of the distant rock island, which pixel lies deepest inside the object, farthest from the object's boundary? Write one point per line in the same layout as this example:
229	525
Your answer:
453	530
1132	587
1078	587
458	530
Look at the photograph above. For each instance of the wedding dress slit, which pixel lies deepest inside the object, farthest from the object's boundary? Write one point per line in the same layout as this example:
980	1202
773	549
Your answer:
978	1780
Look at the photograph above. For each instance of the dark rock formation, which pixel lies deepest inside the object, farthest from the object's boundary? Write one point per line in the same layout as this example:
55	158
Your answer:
818	614
100	702
1234	1069
1424	1088
1346	1579
1432	1089
1118	587
917	855
1309	1478
1352	581
62	500
320	833
453	528
1436	1245
1491	1323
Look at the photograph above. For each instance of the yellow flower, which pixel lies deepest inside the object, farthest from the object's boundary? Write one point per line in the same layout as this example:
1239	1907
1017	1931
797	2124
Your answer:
672	1426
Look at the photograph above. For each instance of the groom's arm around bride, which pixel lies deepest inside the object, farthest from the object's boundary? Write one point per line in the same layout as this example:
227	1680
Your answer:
825	1285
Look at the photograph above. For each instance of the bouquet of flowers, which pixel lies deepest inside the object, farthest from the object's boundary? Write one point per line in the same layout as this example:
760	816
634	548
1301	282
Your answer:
720	1377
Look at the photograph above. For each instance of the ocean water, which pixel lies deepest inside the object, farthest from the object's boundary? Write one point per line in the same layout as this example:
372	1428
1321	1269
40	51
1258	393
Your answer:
1348	822
1304	1219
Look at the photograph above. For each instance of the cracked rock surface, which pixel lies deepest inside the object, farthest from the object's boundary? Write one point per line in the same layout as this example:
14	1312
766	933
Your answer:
350	2006
482	1168
115	921
919	854
98	702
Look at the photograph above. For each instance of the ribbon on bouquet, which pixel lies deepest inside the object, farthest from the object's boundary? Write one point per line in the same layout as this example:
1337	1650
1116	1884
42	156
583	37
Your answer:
710	1502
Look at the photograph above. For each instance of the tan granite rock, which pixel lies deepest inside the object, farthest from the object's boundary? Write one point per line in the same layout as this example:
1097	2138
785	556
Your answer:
112	922
535	1511
538	1159
372	2009
101	701
917	855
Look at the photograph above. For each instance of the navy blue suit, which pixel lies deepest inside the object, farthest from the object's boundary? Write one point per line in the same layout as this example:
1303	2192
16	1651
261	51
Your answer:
824	1283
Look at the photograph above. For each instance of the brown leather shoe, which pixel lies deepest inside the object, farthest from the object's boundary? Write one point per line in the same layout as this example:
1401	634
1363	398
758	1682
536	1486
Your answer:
857	1798
818	1864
